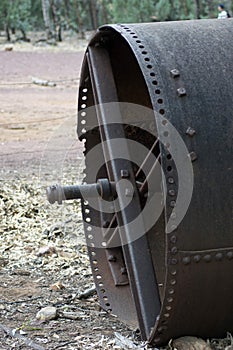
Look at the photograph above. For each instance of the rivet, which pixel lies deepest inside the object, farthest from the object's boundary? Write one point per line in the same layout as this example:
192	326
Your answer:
197	258
173	282
166	315
171	291
207	258
170	300
173	272
230	255
173	261
171	180
161	329
124	173
123	270
112	258
181	92
193	156
172	193
172	204
106	224
175	73
219	256
164	321
173	239
186	260
190	131
174	250
168	308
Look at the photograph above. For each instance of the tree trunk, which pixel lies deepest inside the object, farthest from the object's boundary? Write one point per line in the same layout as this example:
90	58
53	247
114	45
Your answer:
67	11
93	13
212	9
185	7
7	22
197	9
7	30
79	19
105	12
24	35
45	10
56	20
67	7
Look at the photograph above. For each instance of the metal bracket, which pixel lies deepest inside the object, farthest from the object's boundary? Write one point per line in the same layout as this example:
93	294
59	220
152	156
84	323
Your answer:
117	266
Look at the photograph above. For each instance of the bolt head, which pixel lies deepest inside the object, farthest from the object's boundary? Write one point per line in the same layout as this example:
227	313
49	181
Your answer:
186	260
175	73
171	180
181	92
193	156
106	224
112	258
172	204
207	258
197	258
173	239
124	173
190	131
123	270
172	193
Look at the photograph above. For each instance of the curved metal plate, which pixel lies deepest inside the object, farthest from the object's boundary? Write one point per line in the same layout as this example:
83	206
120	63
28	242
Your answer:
184	72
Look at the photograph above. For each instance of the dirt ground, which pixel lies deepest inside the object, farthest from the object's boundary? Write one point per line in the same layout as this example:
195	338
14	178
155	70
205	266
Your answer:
43	256
39	147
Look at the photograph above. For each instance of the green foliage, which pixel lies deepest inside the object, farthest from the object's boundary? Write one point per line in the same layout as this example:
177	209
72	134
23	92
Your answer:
81	15
36	17
175	10
132	10
163	10
19	13
16	13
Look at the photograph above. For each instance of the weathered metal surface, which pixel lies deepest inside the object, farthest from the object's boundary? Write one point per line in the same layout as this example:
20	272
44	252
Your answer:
103	189
180	279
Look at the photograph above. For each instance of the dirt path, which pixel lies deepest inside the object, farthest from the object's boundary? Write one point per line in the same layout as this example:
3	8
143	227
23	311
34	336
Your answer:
31	114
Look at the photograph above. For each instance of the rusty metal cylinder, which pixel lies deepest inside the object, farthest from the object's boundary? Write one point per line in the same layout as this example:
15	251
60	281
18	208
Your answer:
179	271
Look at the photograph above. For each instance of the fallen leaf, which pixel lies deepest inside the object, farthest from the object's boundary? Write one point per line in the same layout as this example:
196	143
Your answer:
57	286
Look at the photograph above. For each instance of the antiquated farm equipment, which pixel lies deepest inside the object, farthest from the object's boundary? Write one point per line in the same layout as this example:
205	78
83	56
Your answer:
156	115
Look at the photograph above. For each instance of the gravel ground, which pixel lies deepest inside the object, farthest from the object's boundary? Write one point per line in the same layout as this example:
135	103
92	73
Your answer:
43	262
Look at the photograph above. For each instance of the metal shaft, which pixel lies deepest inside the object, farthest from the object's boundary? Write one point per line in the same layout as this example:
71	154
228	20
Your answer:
103	188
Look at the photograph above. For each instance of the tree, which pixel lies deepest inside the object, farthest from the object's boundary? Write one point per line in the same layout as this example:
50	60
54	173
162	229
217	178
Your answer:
197	9
94	13
45	9
105	11
82	15
15	15
132	11
79	20
56	15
